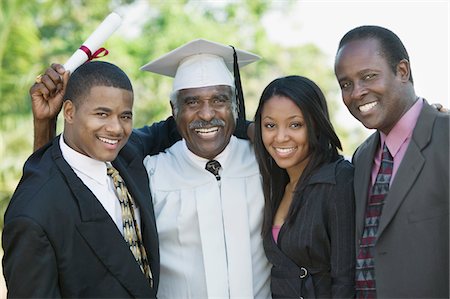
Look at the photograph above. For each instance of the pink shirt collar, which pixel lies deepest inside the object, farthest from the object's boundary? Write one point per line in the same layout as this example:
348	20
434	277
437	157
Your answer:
403	129
398	139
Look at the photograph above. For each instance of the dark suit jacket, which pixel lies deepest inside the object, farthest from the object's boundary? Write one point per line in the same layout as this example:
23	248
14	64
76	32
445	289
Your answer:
412	250
60	242
320	238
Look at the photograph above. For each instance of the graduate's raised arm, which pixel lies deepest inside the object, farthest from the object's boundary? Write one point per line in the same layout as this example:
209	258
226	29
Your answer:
46	101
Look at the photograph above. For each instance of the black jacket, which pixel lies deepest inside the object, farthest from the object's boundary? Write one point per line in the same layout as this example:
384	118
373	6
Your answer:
320	239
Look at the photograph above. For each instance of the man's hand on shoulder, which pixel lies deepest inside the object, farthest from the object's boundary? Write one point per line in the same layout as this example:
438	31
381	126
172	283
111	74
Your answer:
440	108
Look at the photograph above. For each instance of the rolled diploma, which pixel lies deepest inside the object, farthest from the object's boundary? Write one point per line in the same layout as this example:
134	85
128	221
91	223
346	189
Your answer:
94	41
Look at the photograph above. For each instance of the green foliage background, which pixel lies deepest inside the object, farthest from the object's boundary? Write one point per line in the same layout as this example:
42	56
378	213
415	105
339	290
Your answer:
33	34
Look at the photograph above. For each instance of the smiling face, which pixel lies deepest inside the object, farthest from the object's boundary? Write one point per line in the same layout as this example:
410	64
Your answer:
285	134
99	125
205	120
372	92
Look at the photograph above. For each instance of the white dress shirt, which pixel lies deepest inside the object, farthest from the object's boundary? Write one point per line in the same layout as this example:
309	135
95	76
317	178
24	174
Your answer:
93	174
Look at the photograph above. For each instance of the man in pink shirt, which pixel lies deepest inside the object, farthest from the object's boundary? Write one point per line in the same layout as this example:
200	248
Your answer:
401	171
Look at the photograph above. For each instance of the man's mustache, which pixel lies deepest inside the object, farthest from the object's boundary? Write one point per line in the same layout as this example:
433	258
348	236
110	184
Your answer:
198	124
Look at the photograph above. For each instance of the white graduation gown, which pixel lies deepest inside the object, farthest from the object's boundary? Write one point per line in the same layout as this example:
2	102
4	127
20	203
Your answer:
209	232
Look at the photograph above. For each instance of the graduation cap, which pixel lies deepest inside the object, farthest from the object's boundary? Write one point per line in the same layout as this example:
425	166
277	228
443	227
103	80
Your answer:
201	63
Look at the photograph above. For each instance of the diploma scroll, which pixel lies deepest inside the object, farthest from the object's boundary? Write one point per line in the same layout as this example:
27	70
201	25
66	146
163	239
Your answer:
94	41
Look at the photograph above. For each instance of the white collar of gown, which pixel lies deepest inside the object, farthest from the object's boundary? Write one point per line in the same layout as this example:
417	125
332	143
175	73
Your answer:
201	162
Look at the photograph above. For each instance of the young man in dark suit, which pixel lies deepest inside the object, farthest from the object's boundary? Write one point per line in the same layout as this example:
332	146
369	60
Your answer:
402	232
64	233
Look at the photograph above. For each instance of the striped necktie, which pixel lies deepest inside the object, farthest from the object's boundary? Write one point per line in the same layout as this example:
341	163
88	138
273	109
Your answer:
365	263
131	232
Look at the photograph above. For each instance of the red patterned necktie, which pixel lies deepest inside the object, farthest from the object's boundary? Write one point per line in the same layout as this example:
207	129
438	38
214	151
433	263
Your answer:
365	264
131	232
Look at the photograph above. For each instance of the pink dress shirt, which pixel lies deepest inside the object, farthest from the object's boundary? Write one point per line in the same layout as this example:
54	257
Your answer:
398	139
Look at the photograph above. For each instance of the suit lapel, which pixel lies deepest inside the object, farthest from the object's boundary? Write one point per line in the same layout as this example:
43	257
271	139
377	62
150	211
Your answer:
410	167
362	180
111	249
102	235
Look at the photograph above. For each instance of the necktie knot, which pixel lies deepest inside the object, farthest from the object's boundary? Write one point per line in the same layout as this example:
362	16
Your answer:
214	166
386	155
114	174
111	171
387	162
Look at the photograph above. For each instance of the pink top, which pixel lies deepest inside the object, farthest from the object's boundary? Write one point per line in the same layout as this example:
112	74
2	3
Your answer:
398	139
275	232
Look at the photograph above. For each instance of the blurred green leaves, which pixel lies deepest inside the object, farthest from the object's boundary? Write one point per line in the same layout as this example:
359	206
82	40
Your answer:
34	34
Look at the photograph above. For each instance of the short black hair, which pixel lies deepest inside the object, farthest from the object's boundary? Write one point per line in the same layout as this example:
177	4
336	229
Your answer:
95	73
391	46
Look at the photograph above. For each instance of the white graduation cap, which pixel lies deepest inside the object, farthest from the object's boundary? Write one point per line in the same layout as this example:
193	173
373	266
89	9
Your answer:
200	63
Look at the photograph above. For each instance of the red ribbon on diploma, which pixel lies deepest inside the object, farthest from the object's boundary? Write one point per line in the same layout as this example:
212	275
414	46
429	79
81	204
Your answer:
97	54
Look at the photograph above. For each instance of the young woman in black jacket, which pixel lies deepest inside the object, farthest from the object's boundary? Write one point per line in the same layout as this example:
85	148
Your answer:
308	227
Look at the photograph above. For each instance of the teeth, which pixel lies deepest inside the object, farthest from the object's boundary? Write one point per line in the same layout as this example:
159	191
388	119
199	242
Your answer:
285	150
207	130
109	141
367	107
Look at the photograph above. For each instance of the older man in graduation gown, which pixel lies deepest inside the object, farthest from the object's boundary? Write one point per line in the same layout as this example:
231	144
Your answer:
206	188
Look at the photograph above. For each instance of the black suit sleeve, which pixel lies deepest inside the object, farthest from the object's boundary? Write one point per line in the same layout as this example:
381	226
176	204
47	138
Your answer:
241	129
29	261
341	227
151	140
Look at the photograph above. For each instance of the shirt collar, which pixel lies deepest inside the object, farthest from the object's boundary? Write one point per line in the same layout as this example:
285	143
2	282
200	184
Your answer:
94	169
201	162
403	129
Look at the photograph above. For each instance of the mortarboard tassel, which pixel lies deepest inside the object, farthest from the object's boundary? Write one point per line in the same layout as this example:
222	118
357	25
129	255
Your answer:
241	121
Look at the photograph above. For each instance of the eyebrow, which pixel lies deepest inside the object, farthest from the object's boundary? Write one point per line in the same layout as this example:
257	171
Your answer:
340	79
363	71
359	73
289	118
188	98
106	109
223	95
214	96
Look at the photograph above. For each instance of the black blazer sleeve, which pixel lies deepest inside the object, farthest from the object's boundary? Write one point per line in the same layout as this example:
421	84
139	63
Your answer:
341	226
151	140
26	246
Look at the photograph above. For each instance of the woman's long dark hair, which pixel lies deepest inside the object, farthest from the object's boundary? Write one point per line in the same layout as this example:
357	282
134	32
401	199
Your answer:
323	142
